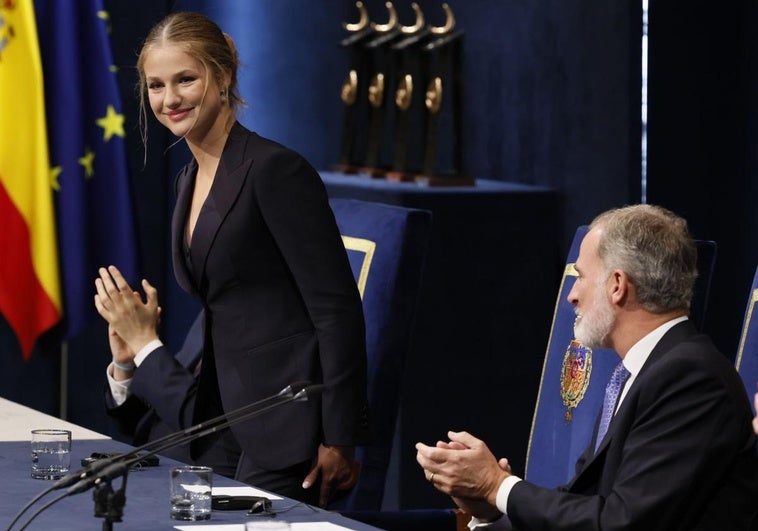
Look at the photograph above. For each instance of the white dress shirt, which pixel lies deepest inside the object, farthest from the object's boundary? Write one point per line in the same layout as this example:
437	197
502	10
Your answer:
120	389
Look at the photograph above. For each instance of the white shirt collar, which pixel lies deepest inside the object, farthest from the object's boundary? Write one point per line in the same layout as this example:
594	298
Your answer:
637	355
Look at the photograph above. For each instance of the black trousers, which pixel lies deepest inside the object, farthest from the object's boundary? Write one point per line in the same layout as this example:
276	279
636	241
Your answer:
286	482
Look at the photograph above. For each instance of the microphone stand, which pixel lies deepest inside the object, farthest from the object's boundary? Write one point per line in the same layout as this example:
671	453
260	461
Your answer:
110	504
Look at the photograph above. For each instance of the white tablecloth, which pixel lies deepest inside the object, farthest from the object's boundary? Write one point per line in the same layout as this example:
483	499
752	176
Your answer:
16	421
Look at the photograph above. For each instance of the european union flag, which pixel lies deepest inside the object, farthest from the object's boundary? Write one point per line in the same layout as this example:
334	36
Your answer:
89	171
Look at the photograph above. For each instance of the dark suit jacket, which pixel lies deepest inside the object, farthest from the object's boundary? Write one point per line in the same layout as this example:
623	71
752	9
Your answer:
268	263
162	401
679	454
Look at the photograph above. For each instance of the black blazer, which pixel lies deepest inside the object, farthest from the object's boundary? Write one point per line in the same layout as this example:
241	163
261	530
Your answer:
281	304
680	453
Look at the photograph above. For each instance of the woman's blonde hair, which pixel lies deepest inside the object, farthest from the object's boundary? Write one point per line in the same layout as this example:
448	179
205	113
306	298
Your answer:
201	39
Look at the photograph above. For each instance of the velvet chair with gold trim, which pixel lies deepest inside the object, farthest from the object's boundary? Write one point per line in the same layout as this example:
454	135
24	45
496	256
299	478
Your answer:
573	379
386	246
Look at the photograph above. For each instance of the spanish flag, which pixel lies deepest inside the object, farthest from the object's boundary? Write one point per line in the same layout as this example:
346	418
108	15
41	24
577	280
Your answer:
30	293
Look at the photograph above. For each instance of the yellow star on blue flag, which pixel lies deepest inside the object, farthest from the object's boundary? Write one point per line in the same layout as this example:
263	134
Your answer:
87	161
112	123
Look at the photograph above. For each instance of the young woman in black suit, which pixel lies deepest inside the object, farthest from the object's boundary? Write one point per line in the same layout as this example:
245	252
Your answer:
254	239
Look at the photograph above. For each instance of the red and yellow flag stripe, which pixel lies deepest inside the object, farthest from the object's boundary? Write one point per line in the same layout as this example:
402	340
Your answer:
30	294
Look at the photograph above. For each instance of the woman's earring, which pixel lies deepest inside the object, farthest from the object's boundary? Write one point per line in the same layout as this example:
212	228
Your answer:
223	96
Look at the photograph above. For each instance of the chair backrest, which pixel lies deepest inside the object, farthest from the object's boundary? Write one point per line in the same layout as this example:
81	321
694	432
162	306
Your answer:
746	360
386	246
573	379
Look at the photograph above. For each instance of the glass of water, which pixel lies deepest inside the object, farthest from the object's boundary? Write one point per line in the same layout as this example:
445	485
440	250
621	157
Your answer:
51	453
190	492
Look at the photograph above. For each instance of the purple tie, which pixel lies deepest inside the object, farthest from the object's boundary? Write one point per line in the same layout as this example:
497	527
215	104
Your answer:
612	391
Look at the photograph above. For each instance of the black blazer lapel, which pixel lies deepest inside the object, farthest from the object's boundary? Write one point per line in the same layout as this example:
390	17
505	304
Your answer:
184	185
227	184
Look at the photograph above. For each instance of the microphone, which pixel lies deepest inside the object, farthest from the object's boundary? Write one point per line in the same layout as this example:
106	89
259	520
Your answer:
104	470
118	465
308	391
303	388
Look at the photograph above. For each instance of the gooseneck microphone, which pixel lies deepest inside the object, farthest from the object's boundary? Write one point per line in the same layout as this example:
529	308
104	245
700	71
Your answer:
103	471
118	465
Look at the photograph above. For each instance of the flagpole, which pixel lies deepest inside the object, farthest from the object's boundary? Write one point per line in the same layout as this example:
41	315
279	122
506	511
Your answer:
63	398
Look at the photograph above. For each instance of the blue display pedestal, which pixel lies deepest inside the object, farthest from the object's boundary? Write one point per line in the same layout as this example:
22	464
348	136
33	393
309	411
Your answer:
487	296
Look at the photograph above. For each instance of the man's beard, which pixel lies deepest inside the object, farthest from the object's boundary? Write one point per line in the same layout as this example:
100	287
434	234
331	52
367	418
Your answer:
592	329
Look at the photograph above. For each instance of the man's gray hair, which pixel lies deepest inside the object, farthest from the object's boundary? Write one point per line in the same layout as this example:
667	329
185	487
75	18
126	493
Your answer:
653	246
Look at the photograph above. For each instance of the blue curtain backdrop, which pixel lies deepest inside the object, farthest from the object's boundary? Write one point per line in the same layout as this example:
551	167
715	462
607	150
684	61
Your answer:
291	71
702	138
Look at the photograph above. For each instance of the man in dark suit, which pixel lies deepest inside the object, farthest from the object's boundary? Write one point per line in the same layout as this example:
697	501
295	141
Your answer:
159	399
673	447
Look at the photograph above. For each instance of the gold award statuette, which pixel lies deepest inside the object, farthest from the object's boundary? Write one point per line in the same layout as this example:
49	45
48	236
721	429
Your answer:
358	32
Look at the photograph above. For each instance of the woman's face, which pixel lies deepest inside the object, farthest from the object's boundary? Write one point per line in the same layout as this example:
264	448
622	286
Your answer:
179	95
